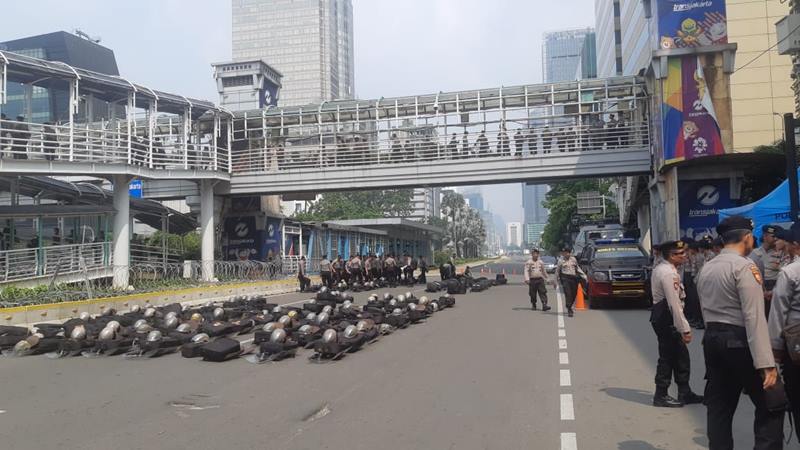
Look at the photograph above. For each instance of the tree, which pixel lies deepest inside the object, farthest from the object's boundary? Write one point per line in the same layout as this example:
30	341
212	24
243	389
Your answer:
465	231
359	205
562	202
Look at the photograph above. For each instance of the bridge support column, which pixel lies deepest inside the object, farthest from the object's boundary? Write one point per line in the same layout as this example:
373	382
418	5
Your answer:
207	229
122	236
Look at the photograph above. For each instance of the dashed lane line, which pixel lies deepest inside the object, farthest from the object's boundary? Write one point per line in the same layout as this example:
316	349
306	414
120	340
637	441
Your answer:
564	377
563	358
569	441
567	409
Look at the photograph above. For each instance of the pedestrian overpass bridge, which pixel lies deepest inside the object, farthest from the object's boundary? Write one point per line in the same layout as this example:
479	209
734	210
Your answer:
119	130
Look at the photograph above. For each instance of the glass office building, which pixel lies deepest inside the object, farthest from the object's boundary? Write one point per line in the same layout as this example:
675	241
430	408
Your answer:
48	101
309	41
561	54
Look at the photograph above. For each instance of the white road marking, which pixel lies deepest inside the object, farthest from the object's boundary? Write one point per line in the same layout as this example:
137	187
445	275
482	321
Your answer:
569	441
562	332
562	344
564	378
567	411
563	358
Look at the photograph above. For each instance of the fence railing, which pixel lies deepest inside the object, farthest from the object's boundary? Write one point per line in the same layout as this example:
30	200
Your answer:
30	263
109	143
522	143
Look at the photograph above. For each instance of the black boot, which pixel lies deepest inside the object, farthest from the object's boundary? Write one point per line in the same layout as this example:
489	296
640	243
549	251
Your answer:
570	313
546	307
665	401
689	398
533	306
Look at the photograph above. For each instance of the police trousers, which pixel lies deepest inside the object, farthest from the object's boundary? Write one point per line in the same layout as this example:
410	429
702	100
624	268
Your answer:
791	381
327	279
673	360
729	371
537	286
569	284
692	303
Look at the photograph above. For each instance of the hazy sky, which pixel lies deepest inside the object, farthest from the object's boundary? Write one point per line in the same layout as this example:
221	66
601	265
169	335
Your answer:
402	47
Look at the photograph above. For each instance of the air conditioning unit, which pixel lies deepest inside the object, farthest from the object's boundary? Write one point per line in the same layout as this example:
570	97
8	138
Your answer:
788	30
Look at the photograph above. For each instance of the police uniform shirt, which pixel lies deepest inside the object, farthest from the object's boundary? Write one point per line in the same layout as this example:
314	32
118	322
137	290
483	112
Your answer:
758	256
324	266
773	261
730	292
355	263
666	285
569	266
785	309
535	270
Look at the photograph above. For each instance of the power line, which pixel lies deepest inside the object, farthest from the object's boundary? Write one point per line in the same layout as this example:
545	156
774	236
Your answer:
767	50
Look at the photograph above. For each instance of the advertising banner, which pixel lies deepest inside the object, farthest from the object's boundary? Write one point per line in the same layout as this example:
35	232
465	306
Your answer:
691	23
690	125
244	240
699	204
135	188
269	95
272	238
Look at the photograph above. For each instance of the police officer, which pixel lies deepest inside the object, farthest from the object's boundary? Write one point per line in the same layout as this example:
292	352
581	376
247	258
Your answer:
785	312
535	278
325	271
767	258
736	343
671	328
568	272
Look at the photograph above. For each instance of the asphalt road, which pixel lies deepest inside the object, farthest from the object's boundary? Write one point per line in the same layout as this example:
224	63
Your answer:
487	374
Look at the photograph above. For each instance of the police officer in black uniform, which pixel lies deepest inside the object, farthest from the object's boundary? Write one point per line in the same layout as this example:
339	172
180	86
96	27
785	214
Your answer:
736	344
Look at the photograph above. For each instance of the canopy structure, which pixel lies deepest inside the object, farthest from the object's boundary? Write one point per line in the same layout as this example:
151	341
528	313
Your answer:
773	208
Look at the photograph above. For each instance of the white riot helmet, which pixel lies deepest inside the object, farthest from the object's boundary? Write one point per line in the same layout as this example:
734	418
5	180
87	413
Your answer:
143	328
219	313
78	333
423	300
107	334
387	296
136	308
435	306
364	325
154	336
401	298
171	322
329	336
170	314
312	316
184	328
322	318
278	336
22	346
85	316
200	337
305	329
408	294
350	332
113	325
285	320
149	312
271	326
327	309
397	312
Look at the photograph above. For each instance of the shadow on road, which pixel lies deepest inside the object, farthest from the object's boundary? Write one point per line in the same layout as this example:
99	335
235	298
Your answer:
636	445
523	308
631	395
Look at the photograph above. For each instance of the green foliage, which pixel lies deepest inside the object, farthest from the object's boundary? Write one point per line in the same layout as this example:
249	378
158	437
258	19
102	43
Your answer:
440	257
465	232
562	202
359	205
187	245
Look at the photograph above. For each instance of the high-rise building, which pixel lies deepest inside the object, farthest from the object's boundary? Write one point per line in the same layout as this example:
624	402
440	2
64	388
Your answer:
309	41
587	65
536	214
514	234
425	204
50	101
757	90
561	54
474	199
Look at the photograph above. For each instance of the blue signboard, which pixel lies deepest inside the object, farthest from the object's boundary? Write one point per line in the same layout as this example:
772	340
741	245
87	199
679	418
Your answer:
244	240
691	23
135	188
699	203
272	239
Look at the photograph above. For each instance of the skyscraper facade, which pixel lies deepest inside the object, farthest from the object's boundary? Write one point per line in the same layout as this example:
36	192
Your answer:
561	54
536	215
309	41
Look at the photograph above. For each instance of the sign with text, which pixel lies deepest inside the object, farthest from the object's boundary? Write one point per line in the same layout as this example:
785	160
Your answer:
691	23
699	203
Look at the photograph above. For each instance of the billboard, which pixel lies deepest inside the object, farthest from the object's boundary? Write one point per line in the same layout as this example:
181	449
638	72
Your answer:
268	95
135	188
244	240
691	23
272	238
690	127
699	202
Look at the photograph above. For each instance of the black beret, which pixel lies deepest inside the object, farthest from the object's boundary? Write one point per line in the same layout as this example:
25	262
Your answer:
566	249
735	223
771	229
717	242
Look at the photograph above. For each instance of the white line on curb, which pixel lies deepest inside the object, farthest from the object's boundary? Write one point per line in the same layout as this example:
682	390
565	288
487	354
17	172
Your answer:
569	441
567	411
564	378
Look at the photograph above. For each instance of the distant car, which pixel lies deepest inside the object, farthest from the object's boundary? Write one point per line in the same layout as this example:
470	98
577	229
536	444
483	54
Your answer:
589	233
549	264
617	270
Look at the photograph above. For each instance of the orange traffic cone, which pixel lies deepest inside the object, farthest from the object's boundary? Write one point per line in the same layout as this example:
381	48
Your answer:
580	304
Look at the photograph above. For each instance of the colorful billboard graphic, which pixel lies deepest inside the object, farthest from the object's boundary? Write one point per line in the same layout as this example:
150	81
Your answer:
690	125
688	23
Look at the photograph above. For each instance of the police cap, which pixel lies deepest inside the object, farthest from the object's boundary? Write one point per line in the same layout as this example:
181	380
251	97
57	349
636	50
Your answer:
671	246
734	223
771	229
534	250
784	235
567	249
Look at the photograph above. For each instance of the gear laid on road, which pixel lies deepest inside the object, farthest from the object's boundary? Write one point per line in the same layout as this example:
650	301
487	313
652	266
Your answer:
330	324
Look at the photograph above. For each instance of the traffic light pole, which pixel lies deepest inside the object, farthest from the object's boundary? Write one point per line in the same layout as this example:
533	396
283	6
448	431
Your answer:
790	150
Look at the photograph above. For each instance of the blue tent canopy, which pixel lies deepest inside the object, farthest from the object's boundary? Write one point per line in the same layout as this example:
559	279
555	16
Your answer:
773	208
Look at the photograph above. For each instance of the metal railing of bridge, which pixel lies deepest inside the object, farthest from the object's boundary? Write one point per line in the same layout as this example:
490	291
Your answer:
108	142
22	264
520	122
